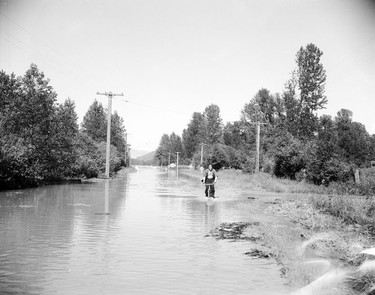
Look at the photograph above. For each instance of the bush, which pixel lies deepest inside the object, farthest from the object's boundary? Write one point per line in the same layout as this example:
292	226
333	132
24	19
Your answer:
290	159
332	170
87	167
249	166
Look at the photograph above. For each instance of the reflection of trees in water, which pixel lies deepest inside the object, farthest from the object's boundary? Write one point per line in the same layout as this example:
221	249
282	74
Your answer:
43	227
211	214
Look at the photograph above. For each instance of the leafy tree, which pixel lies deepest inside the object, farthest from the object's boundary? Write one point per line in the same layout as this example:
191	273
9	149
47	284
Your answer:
176	146
240	136
90	159
305	91
193	135
213	125
291	158
118	133
64	132
262	107
28	118
161	153
372	148
95	122
353	139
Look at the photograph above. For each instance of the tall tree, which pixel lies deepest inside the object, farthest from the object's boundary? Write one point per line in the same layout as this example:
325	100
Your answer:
95	122
193	135
213	124
306	90
118	133
29	117
163	149
240	136
64	133
175	145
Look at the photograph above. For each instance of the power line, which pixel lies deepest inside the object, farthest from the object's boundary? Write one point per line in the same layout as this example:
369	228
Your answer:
174	111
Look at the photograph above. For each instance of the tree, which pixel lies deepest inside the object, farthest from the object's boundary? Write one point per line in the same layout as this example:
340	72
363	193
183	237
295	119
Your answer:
193	135
240	136
64	132
175	145
353	139
213	125
118	133
305	91
29	120
161	153
95	122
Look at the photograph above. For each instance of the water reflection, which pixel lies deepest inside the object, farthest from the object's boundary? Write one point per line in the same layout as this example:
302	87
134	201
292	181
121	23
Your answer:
150	240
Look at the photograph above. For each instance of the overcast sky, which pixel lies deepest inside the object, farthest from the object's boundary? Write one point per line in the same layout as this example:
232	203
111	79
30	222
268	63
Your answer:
171	58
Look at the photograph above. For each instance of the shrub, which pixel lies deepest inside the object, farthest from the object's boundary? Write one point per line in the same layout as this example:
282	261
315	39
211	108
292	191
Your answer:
290	159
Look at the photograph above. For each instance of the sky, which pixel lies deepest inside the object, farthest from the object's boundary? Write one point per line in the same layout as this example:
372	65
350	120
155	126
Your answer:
172	58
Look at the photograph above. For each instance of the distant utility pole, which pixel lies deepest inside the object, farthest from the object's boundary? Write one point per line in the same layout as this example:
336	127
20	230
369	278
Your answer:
126	146
126	149
258	140
258	148
169	159
202	144
108	149
177	163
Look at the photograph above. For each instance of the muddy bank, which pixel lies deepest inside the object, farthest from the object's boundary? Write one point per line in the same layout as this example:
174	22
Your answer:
316	254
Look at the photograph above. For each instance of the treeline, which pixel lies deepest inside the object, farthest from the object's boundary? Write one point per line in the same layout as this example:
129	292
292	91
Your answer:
40	140
295	142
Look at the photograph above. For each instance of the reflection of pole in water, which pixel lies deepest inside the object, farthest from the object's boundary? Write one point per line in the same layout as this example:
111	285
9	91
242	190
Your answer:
106	197
177	164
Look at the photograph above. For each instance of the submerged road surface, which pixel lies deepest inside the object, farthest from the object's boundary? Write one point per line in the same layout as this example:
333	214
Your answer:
141	233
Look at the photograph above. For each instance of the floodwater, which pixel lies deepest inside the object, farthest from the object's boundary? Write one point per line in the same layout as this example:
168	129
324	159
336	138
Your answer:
141	233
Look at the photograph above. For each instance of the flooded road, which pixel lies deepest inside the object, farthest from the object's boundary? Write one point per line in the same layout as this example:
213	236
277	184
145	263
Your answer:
141	233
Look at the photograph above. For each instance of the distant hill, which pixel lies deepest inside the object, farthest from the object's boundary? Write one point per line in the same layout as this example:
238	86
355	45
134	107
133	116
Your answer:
147	159
138	153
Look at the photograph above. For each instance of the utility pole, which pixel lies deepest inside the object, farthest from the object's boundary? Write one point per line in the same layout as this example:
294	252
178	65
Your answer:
258	148
108	149
126	146
177	163
257	108
169	159
202	144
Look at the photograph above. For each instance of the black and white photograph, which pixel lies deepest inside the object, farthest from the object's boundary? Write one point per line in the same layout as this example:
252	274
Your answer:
187	147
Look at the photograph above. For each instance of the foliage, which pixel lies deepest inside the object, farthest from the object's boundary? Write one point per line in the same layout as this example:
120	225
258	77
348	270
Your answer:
95	122
240	136
304	94
193	135
220	156
118	133
164	150
290	159
213	125
294	142
168	146
39	138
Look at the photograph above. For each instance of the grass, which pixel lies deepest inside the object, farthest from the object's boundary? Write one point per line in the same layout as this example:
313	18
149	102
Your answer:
357	210
261	181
